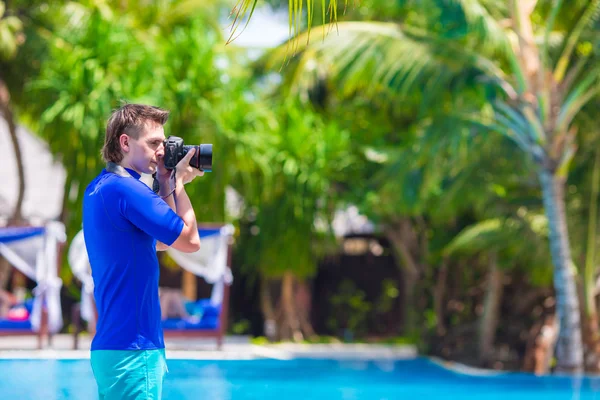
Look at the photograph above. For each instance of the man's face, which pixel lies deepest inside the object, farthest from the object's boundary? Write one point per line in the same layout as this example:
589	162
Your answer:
147	150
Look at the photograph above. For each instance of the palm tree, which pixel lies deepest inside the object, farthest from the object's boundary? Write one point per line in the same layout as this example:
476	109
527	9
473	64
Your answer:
10	32
515	237
92	66
244	9
290	209
533	82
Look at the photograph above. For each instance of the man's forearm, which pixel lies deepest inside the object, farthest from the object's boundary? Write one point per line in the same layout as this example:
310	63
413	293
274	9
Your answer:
179	202
183	206
167	193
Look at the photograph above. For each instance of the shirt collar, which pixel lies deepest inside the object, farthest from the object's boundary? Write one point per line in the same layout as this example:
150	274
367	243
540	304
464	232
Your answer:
121	171
133	173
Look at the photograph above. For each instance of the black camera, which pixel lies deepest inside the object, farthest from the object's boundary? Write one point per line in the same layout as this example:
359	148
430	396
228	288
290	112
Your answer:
175	150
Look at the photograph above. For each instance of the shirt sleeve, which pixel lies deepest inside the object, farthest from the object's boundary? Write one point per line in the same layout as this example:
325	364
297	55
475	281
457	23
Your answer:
146	210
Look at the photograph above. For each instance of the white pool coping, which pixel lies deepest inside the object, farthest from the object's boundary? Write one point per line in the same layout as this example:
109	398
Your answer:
241	349
238	351
465	369
252	353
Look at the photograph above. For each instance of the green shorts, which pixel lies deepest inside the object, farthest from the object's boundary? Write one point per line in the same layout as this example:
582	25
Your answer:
129	374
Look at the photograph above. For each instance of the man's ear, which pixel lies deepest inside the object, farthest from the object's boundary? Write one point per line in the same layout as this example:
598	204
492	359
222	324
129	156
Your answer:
124	142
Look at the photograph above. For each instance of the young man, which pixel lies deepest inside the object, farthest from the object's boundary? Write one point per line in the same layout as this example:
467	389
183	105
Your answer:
124	222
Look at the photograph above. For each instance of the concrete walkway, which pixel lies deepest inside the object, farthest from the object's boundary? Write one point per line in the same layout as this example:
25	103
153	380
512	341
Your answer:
234	348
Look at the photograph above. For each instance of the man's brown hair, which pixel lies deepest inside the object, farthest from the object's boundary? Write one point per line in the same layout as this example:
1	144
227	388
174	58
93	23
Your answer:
129	119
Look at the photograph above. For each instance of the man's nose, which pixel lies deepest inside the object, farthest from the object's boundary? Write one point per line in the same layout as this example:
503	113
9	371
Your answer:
160	152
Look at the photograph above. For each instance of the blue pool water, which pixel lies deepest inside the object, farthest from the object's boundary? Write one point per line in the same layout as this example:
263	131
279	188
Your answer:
295	380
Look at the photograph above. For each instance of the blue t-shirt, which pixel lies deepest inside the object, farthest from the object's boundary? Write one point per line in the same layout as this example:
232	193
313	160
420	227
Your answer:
122	220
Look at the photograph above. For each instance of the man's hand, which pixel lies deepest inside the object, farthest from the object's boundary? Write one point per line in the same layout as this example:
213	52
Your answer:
184	172
162	174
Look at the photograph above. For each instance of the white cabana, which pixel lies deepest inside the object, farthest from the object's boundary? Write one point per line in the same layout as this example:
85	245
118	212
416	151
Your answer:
34	252
211	263
78	260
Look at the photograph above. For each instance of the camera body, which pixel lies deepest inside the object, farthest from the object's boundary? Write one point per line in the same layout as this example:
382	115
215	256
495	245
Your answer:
175	150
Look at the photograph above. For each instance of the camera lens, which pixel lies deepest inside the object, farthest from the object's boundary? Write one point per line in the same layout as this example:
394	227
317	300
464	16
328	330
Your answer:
202	158
205	158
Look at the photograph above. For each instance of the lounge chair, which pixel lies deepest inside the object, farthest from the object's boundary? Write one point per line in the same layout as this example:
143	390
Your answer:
211	262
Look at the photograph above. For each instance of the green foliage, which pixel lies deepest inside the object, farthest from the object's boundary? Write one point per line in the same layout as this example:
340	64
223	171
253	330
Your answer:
350	309
259	340
522	237
306	155
394	114
10	33
244	9
241	327
389	294
96	61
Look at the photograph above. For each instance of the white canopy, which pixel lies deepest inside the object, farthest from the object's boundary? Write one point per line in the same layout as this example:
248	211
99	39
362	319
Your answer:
34	252
211	261
44	178
78	260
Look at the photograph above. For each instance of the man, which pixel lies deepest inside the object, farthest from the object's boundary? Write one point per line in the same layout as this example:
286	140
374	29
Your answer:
124	223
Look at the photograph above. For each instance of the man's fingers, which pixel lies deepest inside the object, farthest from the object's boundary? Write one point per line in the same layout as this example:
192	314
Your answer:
189	154
186	159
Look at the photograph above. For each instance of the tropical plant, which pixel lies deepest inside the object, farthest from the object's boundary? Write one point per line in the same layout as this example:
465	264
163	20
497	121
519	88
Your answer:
288	217
94	59
531	83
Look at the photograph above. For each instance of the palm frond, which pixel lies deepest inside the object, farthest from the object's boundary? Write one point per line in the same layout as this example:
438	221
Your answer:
590	15
524	235
480	25
556	5
373	57
244	9
481	236
581	94
515	127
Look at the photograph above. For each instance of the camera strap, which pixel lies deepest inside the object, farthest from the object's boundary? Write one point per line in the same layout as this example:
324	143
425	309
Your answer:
117	169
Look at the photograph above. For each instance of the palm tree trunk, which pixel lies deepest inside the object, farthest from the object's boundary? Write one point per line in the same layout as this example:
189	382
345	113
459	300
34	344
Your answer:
6	111
17	214
591	335
303	306
266	305
439	293
410	271
410	277
291	323
569	349
491	310
65	202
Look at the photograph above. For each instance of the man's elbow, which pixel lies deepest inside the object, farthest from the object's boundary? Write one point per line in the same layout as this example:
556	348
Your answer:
160	246
189	246
188	242
194	245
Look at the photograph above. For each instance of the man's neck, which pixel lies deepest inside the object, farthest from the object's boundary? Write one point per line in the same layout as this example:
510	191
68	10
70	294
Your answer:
126	164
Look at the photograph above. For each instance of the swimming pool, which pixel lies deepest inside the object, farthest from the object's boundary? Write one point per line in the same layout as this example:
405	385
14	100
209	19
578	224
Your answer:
268	379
